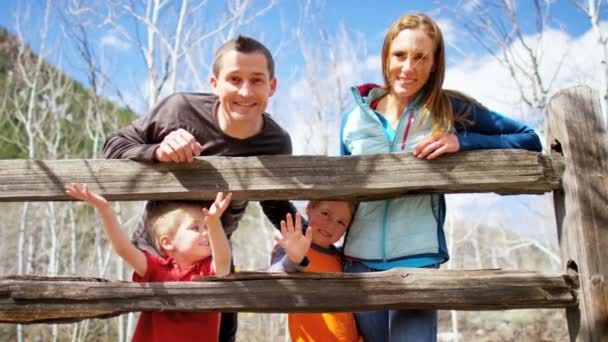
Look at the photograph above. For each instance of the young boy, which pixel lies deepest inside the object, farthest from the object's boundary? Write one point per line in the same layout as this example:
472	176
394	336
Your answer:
314	251
193	243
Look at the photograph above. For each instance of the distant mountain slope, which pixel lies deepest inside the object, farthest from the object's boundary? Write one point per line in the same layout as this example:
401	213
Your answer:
45	114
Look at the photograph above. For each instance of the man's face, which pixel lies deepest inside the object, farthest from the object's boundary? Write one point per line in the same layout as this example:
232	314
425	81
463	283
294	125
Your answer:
243	87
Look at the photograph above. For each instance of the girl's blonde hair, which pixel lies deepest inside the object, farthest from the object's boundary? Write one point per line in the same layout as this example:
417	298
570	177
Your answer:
433	98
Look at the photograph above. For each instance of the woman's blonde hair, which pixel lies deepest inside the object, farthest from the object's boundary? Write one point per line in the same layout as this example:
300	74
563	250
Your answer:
433	98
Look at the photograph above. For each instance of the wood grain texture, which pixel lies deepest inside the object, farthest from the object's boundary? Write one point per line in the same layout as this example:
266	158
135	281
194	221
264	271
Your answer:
285	177
576	131
34	299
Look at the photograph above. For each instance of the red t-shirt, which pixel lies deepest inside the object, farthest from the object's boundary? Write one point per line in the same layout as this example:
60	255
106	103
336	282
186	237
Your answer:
169	326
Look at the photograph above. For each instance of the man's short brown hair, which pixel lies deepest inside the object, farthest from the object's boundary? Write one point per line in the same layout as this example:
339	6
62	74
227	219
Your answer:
242	44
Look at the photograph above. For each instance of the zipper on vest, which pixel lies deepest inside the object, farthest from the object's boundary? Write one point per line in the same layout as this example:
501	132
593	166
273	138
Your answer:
383	234
407	129
409	109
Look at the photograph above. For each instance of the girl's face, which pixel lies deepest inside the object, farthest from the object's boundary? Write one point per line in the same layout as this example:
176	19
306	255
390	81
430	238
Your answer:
329	221
410	63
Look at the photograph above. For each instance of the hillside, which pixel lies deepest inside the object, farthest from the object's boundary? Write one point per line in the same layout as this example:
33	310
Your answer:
45	114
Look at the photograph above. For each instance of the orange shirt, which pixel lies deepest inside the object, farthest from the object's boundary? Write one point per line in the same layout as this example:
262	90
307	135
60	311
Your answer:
321	327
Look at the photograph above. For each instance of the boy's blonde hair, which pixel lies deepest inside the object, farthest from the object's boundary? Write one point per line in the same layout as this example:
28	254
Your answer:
163	218
352	205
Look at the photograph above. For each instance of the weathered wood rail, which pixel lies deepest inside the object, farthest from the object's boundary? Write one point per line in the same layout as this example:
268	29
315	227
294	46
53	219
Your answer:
576	170
286	177
39	299
575	129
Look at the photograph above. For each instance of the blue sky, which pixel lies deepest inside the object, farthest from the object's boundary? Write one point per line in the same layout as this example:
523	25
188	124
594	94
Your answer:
370	18
361	16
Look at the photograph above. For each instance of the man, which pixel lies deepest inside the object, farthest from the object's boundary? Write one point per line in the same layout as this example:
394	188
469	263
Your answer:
230	122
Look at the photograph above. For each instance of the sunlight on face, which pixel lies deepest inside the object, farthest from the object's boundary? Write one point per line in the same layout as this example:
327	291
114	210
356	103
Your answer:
243	86
410	62
329	220
190	239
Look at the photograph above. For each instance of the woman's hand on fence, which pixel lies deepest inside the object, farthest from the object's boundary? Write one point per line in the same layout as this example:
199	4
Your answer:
294	243
434	145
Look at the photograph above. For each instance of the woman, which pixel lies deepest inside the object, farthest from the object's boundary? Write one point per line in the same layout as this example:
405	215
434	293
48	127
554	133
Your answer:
412	113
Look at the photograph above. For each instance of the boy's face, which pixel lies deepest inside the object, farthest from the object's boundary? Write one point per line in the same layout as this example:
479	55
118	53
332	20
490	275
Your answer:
243	86
329	221
190	241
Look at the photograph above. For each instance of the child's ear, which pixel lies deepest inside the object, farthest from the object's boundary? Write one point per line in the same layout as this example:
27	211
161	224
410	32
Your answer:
165	243
308	208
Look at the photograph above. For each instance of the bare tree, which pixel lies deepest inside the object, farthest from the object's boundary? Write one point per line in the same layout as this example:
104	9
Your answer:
593	11
332	64
496	26
165	34
37	110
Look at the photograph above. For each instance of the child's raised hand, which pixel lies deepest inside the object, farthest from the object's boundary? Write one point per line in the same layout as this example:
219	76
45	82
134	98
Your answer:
294	243
85	195
217	208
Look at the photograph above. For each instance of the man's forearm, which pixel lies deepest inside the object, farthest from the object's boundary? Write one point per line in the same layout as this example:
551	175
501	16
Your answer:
277	210
118	146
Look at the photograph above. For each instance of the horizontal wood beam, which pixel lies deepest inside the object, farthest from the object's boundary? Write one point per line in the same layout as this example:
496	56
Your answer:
286	177
35	299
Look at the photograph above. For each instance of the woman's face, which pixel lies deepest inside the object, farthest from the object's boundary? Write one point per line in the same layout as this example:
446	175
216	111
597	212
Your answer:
410	63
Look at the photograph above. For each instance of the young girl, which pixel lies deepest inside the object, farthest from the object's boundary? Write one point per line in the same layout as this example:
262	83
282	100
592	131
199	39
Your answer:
193	243
314	251
412	113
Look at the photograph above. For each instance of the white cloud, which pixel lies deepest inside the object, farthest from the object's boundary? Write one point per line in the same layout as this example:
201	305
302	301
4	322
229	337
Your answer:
449	32
470	5
114	42
561	65
373	64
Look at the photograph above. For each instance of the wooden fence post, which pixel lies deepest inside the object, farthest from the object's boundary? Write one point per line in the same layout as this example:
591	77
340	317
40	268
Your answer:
575	129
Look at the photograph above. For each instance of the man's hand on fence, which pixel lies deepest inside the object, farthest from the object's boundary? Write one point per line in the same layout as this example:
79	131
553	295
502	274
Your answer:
179	146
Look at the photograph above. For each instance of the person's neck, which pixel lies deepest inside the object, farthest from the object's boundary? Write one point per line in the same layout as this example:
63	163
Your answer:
392	107
323	246
182	261
238	129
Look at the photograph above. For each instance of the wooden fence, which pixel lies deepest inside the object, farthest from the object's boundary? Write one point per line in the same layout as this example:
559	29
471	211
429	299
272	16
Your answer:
575	170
